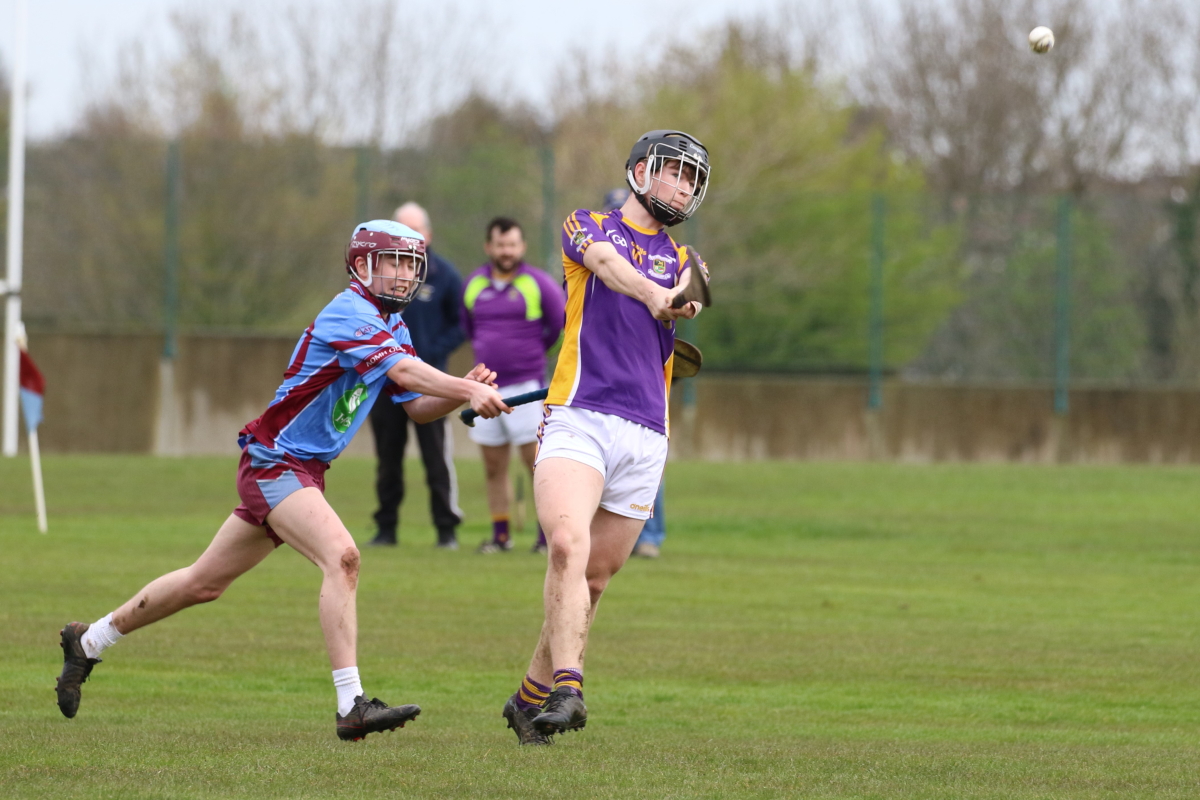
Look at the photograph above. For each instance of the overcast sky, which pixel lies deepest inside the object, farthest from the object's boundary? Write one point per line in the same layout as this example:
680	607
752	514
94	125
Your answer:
67	36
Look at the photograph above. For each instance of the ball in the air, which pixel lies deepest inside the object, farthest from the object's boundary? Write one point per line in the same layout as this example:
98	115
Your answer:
1041	39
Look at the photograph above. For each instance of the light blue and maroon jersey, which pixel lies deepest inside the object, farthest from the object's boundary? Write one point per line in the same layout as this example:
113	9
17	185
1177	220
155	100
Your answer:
616	358
512	325
338	371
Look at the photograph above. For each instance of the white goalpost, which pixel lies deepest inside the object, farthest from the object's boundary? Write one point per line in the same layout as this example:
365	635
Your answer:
11	287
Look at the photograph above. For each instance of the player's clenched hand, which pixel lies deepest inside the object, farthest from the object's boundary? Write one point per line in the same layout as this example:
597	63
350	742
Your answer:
486	401
481	374
659	303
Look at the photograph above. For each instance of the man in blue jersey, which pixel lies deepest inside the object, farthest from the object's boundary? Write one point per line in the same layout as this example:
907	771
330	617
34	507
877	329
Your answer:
356	350
603	441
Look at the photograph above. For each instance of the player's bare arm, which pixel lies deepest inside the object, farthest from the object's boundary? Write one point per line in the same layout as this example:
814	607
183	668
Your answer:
450	392
618	274
427	408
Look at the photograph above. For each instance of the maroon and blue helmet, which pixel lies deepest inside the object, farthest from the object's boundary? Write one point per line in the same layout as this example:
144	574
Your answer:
385	236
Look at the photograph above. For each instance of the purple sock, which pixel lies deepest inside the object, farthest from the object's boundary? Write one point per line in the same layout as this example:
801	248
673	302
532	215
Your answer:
541	537
500	530
531	694
569	679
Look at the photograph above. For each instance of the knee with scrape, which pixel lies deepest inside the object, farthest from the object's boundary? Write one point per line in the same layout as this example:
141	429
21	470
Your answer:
350	562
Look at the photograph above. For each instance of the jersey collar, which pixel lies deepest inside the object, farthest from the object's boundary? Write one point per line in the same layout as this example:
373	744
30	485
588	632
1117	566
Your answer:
358	289
634	225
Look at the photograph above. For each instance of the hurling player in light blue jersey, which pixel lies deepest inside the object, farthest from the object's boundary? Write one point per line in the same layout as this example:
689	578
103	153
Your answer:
355	352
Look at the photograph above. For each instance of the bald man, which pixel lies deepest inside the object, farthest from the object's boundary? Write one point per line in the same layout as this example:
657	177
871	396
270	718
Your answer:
432	320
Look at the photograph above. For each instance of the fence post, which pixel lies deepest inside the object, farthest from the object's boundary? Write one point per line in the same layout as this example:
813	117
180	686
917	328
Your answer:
549	222
878	219
362	182
171	252
167	427
1062	309
873	425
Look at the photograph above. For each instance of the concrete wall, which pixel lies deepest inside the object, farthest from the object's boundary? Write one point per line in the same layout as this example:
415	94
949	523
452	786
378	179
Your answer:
105	393
742	418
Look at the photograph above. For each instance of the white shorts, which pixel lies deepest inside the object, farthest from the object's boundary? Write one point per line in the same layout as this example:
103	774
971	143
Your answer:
630	456
519	427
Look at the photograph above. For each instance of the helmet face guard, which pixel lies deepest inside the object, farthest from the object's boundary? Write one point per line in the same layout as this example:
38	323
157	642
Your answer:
381	243
397	292
658	149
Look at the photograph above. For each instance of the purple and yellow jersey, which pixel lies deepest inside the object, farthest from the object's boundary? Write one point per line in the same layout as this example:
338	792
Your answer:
512	325
338	371
616	358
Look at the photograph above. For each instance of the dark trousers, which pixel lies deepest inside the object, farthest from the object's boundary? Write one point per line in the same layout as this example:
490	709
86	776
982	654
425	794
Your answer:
389	421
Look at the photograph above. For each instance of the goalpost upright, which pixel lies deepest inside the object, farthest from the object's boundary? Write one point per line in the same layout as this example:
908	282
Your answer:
16	222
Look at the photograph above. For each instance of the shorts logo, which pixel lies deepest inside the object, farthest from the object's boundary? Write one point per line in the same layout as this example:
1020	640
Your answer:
580	238
365	330
644	509
346	408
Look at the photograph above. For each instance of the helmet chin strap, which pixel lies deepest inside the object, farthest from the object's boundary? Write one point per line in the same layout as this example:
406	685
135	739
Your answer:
393	304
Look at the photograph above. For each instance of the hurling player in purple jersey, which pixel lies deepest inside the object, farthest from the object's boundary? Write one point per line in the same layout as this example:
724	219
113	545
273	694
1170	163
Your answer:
356	351
603	441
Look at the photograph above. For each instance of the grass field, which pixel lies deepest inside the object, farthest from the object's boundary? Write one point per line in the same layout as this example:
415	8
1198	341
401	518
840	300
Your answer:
813	630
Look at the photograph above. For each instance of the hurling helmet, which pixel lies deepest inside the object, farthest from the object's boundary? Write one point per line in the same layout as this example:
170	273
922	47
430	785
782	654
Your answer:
658	148
379	237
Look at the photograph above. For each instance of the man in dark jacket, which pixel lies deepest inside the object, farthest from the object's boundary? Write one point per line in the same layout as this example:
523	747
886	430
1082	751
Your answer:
432	319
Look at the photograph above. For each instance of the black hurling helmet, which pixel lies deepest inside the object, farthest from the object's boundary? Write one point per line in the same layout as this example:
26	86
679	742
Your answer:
657	148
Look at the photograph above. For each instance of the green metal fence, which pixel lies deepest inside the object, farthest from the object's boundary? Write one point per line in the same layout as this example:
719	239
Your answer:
1053	289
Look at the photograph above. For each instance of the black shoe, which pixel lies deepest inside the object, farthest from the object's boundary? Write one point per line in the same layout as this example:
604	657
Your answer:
489	546
564	711
539	549
76	668
373	716
447	539
383	540
521	721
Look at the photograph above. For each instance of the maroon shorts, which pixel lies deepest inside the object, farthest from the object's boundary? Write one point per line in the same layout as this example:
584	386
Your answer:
265	477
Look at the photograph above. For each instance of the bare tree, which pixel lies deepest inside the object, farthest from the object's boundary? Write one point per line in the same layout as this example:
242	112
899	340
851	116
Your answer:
370	72
964	94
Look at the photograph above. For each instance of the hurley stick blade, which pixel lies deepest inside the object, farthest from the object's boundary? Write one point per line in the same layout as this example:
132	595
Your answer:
697	285
688	359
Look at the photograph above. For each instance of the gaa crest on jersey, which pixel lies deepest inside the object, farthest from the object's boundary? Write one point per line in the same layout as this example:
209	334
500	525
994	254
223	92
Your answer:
346	408
658	265
580	238
365	330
